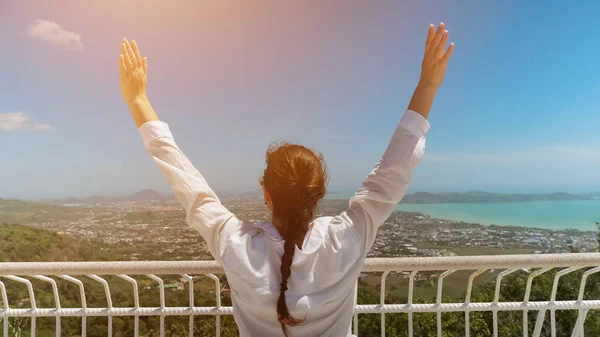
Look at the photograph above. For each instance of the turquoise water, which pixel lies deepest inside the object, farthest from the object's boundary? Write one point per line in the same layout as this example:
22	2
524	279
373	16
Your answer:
541	214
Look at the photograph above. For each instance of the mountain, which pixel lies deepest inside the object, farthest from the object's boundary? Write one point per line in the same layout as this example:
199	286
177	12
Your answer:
27	244
139	196
415	198
486	197
147	195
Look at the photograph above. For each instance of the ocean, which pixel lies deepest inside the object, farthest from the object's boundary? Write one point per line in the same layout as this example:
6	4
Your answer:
540	214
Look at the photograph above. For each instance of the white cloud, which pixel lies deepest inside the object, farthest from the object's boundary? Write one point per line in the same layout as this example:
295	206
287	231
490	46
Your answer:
53	33
20	121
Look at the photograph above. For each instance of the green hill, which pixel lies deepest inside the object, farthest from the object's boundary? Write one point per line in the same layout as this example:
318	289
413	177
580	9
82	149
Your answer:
27	244
25	212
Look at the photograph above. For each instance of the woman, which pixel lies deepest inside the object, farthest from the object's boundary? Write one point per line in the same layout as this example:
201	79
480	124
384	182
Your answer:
294	275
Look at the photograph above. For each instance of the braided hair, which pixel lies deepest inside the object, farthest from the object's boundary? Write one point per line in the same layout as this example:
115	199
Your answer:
295	179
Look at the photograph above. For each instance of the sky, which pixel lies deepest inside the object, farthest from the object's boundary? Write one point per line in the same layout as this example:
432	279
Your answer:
518	110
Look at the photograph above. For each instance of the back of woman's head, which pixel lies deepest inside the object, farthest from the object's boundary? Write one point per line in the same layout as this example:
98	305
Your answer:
295	179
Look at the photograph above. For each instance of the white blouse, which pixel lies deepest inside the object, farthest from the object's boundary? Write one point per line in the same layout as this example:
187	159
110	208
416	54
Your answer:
324	273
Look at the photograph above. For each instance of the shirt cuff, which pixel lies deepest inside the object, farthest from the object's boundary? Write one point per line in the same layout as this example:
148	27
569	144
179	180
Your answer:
154	129
414	122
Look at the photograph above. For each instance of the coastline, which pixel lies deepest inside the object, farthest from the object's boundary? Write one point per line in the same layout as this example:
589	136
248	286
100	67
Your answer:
552	214
555	215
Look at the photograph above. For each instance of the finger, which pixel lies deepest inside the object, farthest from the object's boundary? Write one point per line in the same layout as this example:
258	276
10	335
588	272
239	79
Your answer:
126	57
136	50
145	65
122	65
438	36
448	53
439	51
430	33
131	53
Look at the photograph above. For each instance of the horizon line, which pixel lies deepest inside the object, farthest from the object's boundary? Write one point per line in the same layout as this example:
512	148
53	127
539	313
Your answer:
338	191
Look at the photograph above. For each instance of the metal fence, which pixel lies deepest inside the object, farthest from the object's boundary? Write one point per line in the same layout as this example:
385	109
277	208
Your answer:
12	274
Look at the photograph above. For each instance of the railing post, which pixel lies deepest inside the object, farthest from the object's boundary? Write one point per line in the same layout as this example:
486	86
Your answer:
355	311
411	287
6	307
136	302
382	301
527	293
468	300
31	298
83	301
218	295
439	299
578	329
191	300
497	298
542	313
57	330
108	300
161	285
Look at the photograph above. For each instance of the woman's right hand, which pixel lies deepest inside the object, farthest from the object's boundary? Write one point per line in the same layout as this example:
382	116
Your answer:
435	59
133	69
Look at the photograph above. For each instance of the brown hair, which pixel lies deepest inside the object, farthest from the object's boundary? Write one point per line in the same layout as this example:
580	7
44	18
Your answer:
296	180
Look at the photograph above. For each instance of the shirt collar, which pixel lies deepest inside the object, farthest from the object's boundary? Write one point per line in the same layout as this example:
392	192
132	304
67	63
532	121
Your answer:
313	241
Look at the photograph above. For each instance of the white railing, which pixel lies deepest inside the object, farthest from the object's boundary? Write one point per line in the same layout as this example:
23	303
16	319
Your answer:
55	273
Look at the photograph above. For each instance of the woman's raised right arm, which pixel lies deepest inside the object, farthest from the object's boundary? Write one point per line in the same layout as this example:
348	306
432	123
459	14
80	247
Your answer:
204	211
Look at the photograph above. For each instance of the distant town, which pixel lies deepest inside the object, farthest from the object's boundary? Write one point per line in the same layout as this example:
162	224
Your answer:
152	227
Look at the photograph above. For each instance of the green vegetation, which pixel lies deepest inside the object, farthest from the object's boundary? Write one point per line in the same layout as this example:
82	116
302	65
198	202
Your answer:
24	212
509	323
27	244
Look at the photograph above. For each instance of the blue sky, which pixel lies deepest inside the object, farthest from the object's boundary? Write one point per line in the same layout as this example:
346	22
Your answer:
518	111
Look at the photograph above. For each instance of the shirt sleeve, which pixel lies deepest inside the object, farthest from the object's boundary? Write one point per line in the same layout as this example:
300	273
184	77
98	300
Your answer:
386	185
204	211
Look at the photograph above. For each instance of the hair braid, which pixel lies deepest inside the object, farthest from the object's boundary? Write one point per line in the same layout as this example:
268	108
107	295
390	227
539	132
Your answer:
295	178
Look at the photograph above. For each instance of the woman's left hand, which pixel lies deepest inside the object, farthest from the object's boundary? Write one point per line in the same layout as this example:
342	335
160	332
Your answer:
436	57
